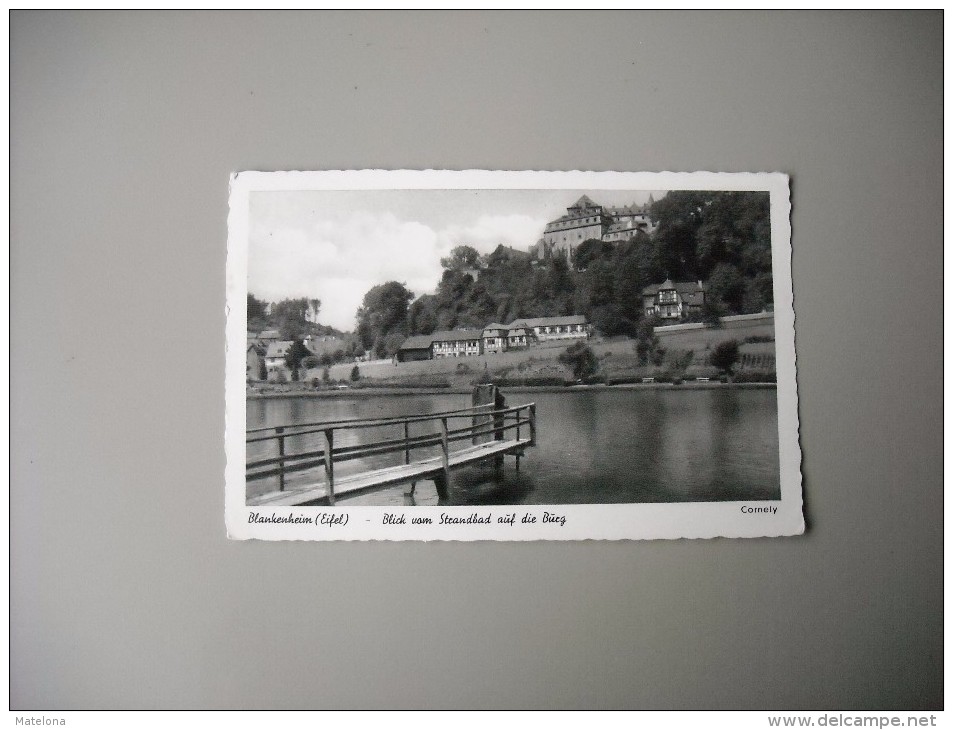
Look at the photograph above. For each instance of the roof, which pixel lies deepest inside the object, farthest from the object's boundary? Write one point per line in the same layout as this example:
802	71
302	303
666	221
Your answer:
682	287
417	342
628	210
584	202
495	326
549	321
278	349
517	331
456	335
322	345
259	350
269	335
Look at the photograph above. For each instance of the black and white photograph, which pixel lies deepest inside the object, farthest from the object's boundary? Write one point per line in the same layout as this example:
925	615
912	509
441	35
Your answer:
463	348
478	361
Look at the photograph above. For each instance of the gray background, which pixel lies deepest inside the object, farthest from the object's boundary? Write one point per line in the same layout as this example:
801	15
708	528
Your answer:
125	592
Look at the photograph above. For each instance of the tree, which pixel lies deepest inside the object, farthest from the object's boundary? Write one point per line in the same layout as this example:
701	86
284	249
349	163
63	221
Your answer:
422	315
460	258
589	251
727	286
581	360
310	361
296	353
647	343
355	374
609	321
725	355
711	313
391	344
256	310
383	311
290	315
326	376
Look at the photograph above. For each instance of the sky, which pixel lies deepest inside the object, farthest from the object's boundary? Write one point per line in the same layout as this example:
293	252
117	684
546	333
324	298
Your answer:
336	245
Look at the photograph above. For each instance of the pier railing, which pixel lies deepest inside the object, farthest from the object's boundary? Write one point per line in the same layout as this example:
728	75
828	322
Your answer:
484	421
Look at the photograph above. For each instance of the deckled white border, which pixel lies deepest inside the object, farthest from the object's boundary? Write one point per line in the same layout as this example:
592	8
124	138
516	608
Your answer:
594	521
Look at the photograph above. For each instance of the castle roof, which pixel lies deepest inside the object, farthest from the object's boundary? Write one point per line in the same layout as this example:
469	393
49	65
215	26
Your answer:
584	202
632	209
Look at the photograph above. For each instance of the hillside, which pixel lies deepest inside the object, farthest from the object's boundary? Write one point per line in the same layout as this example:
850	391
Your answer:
719	237
686	354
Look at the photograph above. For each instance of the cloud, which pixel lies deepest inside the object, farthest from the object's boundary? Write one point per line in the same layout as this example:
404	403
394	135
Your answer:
519	231
338	258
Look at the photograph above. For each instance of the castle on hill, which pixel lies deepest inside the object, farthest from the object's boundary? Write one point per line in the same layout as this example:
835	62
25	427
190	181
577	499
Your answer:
585	219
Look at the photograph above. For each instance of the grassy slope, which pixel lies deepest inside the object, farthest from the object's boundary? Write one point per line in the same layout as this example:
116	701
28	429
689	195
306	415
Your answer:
617	357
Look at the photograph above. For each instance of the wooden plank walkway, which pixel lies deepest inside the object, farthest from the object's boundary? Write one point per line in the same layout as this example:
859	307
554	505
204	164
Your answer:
370	481
490	430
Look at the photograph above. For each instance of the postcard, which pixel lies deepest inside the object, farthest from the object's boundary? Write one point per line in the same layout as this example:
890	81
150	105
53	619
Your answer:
510	355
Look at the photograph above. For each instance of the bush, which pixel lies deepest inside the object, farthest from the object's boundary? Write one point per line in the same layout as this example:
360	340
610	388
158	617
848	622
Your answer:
540	380
355	374
725	355
749	376
581	360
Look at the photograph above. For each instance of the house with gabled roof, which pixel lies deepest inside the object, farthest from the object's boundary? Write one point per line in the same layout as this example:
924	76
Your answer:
572	326
254	362
517	338
673	299
417	347
457	343
275	357
495	337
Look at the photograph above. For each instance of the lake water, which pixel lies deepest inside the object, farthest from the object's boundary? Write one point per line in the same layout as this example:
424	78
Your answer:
606	446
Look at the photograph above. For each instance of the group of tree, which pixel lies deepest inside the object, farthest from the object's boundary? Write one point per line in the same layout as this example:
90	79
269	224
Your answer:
288	316
382	318
720	237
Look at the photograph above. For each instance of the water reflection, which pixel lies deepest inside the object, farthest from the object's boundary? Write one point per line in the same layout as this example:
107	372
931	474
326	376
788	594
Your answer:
616	446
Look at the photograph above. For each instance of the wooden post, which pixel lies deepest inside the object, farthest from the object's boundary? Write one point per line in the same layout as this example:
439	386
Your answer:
442	480
519	410
445	447
328	434
279	430
532	424
410	486
443	491
483	395
499	421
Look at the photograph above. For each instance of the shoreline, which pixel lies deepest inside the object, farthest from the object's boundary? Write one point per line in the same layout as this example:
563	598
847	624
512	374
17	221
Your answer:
401	391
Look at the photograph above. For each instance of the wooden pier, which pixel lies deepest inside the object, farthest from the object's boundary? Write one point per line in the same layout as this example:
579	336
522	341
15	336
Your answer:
489	431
